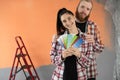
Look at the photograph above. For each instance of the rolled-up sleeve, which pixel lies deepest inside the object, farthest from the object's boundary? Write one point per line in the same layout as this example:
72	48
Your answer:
55	53
86	59
98	46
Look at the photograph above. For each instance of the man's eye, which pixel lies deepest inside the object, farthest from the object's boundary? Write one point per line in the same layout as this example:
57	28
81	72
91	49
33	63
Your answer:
69	18
88	9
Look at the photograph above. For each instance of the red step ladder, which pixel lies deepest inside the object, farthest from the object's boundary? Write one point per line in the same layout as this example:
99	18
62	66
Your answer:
23	62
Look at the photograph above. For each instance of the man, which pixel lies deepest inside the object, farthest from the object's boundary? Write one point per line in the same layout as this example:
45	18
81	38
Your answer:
92	33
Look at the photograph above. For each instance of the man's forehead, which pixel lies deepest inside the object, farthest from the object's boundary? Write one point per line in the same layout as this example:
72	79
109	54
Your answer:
85	3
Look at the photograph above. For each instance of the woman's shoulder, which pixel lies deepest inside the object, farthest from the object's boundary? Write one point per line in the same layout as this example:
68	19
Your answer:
54	37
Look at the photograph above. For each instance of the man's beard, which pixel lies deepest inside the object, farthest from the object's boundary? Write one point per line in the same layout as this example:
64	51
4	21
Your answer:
80	18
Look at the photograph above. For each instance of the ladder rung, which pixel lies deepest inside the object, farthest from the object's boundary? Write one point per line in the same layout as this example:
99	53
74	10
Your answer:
30	77
21	55
26	66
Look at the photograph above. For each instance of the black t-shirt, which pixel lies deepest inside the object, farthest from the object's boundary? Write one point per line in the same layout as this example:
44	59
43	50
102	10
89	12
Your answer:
82	26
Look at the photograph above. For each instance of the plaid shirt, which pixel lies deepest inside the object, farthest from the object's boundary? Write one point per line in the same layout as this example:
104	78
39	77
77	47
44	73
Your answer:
85	64
97	48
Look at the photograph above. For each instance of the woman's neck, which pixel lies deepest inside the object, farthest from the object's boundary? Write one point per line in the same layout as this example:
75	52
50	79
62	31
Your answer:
73	31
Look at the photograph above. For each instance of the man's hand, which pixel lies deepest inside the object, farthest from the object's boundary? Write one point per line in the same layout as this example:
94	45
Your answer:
90	38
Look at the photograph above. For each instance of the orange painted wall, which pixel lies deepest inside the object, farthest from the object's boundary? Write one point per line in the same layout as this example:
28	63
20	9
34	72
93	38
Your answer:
35	22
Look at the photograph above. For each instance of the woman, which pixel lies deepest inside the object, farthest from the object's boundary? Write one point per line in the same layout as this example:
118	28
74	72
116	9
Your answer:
71	62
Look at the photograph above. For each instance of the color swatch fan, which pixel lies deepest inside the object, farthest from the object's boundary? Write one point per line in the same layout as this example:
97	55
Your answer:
68	40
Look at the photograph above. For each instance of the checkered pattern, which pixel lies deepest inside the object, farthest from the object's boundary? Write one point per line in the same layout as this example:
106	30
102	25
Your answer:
96	48
86	64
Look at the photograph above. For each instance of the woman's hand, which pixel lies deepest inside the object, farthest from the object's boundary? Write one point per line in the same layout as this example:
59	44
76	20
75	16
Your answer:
76	52
71	51
67	52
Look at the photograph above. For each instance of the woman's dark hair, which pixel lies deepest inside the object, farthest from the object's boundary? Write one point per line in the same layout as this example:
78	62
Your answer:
60	28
